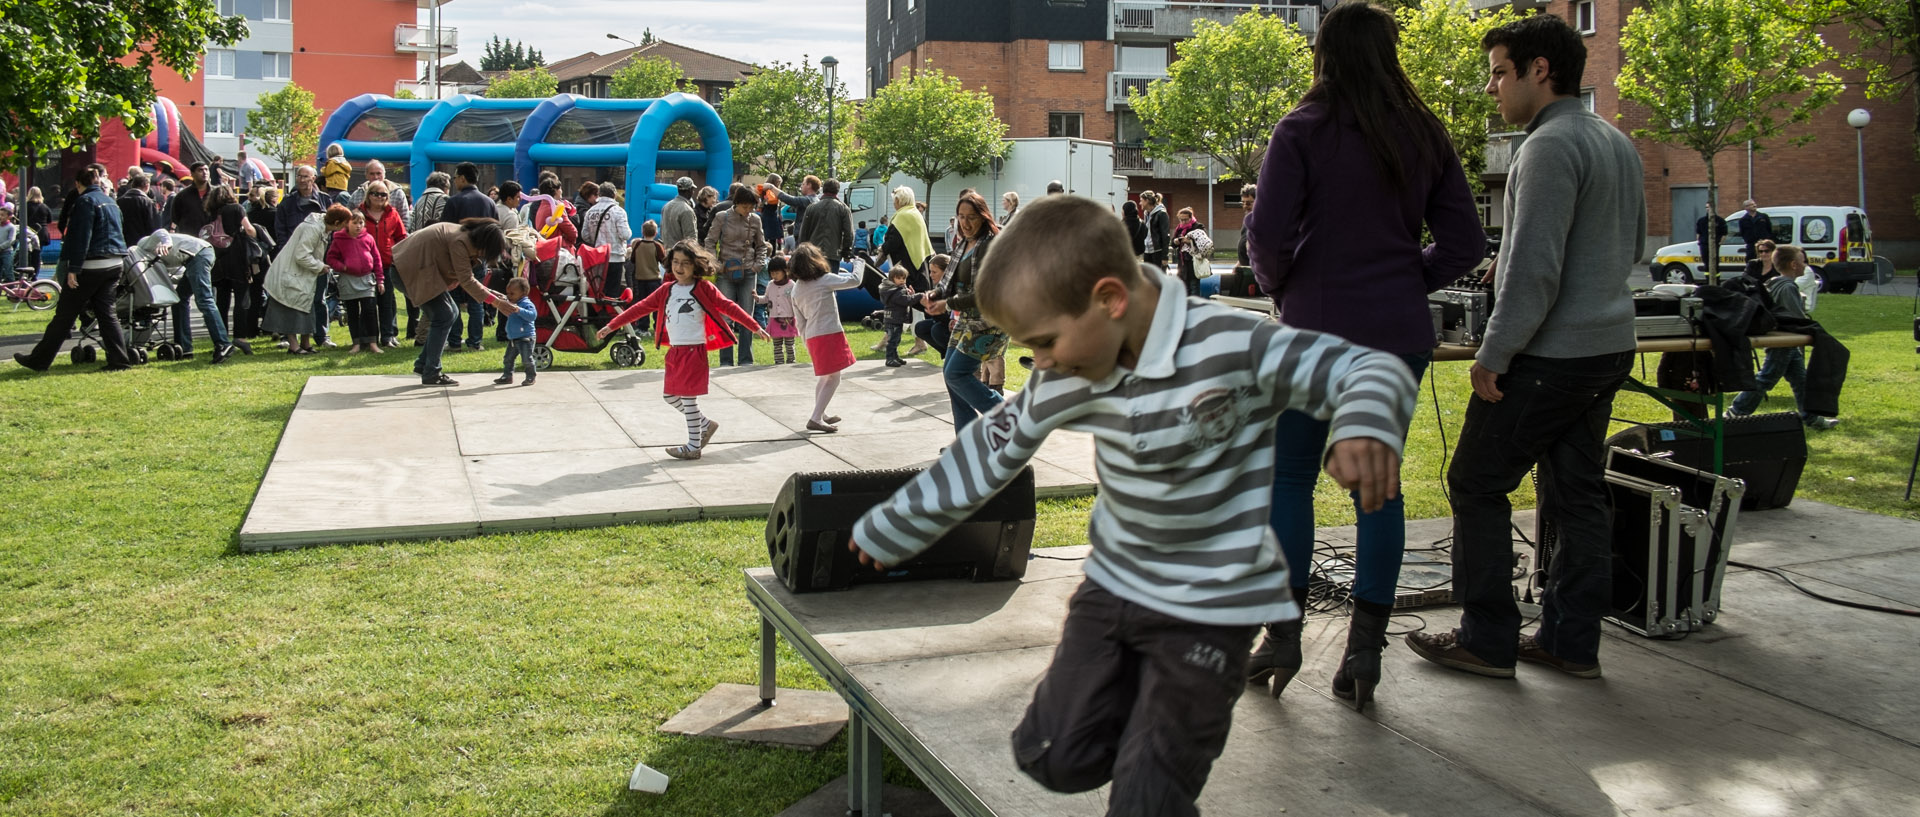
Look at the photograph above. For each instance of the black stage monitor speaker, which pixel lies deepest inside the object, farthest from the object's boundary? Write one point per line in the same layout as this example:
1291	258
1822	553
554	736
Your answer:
1766	451
813	518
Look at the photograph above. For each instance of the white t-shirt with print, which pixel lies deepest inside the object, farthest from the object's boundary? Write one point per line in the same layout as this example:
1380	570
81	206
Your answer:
686	320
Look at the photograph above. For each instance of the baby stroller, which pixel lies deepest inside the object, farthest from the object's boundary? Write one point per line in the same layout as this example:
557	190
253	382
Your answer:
571	305
142	301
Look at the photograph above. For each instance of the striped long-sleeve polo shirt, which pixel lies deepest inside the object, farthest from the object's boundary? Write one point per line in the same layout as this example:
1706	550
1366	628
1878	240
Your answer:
1184	445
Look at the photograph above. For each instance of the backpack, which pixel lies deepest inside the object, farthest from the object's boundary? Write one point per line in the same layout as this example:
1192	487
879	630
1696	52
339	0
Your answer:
1202	245
215	233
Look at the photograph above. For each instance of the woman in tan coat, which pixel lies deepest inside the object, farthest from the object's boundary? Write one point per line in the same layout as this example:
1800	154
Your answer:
435	260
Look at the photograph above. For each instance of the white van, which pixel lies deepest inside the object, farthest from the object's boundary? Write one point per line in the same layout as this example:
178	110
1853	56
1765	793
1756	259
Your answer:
1838	241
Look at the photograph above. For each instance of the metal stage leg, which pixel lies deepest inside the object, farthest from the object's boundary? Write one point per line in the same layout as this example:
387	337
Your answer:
769	642
864	774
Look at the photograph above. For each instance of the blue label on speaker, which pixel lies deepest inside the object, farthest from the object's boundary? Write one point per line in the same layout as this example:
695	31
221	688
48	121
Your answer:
1666	435
822	487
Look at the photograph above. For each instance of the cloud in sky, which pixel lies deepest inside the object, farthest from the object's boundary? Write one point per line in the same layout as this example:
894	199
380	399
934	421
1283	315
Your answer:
755	31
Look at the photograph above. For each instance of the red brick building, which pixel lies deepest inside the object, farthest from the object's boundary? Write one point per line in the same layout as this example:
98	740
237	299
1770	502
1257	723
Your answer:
1822	172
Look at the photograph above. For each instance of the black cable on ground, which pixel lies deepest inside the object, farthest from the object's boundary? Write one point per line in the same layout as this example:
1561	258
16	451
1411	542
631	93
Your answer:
1898	611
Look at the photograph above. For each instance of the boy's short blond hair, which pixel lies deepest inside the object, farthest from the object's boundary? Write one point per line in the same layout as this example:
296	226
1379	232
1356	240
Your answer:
1052	255
1782	253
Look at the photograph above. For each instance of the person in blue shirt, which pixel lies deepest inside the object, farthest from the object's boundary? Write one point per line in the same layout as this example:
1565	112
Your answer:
519	334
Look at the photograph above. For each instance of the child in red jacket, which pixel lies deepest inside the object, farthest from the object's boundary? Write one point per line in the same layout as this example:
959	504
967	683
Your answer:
354	255
687	308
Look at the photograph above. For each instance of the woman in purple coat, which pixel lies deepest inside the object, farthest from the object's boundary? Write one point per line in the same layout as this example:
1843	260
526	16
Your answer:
1350	178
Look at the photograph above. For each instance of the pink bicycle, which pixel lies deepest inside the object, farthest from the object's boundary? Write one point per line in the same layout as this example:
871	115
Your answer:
37	295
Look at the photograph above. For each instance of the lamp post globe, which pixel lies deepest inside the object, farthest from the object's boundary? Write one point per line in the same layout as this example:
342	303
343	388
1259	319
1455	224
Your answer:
1859	117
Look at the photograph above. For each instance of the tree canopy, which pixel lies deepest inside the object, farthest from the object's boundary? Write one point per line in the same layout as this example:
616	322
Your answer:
1227	87
777	120
1713	74
508	55
71	64
1440	50
927	126
285	125
533	83
649	78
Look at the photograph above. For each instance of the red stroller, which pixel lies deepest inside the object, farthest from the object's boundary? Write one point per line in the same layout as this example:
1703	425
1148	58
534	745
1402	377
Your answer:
571	305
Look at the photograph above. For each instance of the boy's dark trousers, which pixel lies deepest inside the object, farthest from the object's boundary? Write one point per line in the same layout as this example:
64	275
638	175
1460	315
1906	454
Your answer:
522	347
1136	698
893	340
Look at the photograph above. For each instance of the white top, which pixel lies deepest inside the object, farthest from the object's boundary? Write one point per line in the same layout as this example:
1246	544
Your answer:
779	298
815	309
686	320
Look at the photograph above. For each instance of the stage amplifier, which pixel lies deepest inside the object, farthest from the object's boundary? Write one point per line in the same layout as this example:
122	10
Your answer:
1765	451
1656	544
1464	314
1661	314
1716	496
813	518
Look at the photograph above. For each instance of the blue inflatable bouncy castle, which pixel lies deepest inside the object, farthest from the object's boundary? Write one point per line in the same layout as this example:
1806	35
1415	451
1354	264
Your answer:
521	137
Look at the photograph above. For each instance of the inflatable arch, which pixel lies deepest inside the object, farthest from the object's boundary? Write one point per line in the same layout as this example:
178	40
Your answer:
525	135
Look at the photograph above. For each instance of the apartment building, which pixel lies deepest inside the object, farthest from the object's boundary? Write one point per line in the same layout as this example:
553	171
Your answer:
1823	172
338	49
1063	67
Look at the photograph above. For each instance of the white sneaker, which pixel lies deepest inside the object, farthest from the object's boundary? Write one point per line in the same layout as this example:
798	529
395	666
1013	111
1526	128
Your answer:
1822	423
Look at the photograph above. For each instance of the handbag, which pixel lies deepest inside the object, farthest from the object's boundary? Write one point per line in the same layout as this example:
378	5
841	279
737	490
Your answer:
737	269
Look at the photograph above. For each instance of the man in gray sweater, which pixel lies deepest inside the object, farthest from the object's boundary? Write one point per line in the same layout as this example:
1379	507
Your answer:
1557	348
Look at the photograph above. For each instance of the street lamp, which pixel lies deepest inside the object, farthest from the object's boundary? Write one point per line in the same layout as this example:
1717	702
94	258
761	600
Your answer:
1859	118
623	39
829	66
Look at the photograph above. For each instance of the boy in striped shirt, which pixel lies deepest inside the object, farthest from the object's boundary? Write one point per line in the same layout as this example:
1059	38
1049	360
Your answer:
1181	396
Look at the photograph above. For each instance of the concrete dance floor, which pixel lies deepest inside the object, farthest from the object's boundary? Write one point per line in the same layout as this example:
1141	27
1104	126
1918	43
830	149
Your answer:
367	458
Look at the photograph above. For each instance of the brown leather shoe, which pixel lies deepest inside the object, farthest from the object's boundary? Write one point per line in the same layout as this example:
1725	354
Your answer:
1444	649
706	436
1532	653
681	452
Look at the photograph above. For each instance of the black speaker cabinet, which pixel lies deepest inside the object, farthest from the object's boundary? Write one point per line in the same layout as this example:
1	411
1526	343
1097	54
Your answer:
1766	451
813	518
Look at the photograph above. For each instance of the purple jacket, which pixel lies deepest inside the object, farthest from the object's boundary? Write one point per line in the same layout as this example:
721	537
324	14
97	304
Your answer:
1338	248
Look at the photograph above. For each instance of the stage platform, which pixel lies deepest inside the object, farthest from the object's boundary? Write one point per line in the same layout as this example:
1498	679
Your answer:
369	458
1784	706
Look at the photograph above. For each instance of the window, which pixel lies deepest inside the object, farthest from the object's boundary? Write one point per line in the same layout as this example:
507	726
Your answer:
276	65
279	11
1816	230
1583	16
219	121
911	5
1586	99
1063	124
1136	59
229	8
1064	57
1484	203
219	63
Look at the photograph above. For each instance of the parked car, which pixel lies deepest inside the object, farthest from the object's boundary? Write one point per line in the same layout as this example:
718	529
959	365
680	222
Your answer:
1838	241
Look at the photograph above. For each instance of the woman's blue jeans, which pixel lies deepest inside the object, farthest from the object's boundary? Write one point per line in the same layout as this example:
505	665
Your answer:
1299	443
440	314
970	397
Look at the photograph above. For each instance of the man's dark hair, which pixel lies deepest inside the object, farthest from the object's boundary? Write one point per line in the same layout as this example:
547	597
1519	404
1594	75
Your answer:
509	189
1249	192
195	166
831	187
1055	187
86	176
1543	35
549	186
468	171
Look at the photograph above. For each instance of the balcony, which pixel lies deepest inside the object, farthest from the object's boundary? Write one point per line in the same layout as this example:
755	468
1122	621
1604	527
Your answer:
414	39
1119	81
1130	159
1500	148
1143	19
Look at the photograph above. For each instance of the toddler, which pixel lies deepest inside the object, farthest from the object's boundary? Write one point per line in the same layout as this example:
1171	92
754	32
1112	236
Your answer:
818	314
354	258
779	301
337	172
687	311
1181	396
899	299
519	334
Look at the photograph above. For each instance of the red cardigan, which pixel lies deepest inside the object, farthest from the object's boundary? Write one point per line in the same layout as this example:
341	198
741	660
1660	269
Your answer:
387	231
710	300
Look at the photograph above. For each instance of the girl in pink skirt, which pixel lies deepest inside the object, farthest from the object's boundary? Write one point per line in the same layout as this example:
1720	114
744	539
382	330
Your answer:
779	301
818	315
687	309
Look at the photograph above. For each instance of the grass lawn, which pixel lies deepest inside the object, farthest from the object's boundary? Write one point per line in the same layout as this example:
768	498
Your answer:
149	668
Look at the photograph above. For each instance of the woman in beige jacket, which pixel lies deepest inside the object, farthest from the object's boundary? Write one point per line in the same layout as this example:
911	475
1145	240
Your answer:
435	260
738	241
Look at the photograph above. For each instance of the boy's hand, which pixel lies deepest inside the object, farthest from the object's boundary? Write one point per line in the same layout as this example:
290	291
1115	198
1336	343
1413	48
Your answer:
864	558
1366	465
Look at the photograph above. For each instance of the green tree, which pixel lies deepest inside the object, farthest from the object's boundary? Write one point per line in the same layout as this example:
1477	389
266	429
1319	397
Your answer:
646	37
649	78
929	127
1227	87
1713	74
285	125
1440	50
1886	36
405	94
508	55
776	119
532	83
68	66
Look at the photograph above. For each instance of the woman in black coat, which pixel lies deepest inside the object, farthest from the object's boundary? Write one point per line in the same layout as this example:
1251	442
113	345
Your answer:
1136	229
230	271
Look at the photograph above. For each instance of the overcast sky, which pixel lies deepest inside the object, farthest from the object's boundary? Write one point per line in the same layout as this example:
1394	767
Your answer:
754	31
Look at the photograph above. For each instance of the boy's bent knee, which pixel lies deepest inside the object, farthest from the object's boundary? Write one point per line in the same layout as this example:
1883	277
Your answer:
1062	768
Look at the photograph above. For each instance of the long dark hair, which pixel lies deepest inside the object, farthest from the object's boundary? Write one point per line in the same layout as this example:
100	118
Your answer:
485	237
1356	69
220	196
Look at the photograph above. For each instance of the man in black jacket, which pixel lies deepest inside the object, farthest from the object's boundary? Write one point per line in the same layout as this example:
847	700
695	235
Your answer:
1755	227
188	211
1708	232
139	216
468	201
93	251
305	198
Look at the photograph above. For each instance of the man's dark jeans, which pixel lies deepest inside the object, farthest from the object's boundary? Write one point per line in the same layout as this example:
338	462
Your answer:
442	317
1554	413
95	292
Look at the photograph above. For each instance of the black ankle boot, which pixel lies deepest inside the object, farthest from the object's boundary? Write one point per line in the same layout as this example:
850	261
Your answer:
1277	659
1359	669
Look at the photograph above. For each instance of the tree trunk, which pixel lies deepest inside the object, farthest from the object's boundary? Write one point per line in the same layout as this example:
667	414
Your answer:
1713	212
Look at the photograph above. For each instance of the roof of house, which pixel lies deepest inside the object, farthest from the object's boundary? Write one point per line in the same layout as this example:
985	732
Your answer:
696	64
459	73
